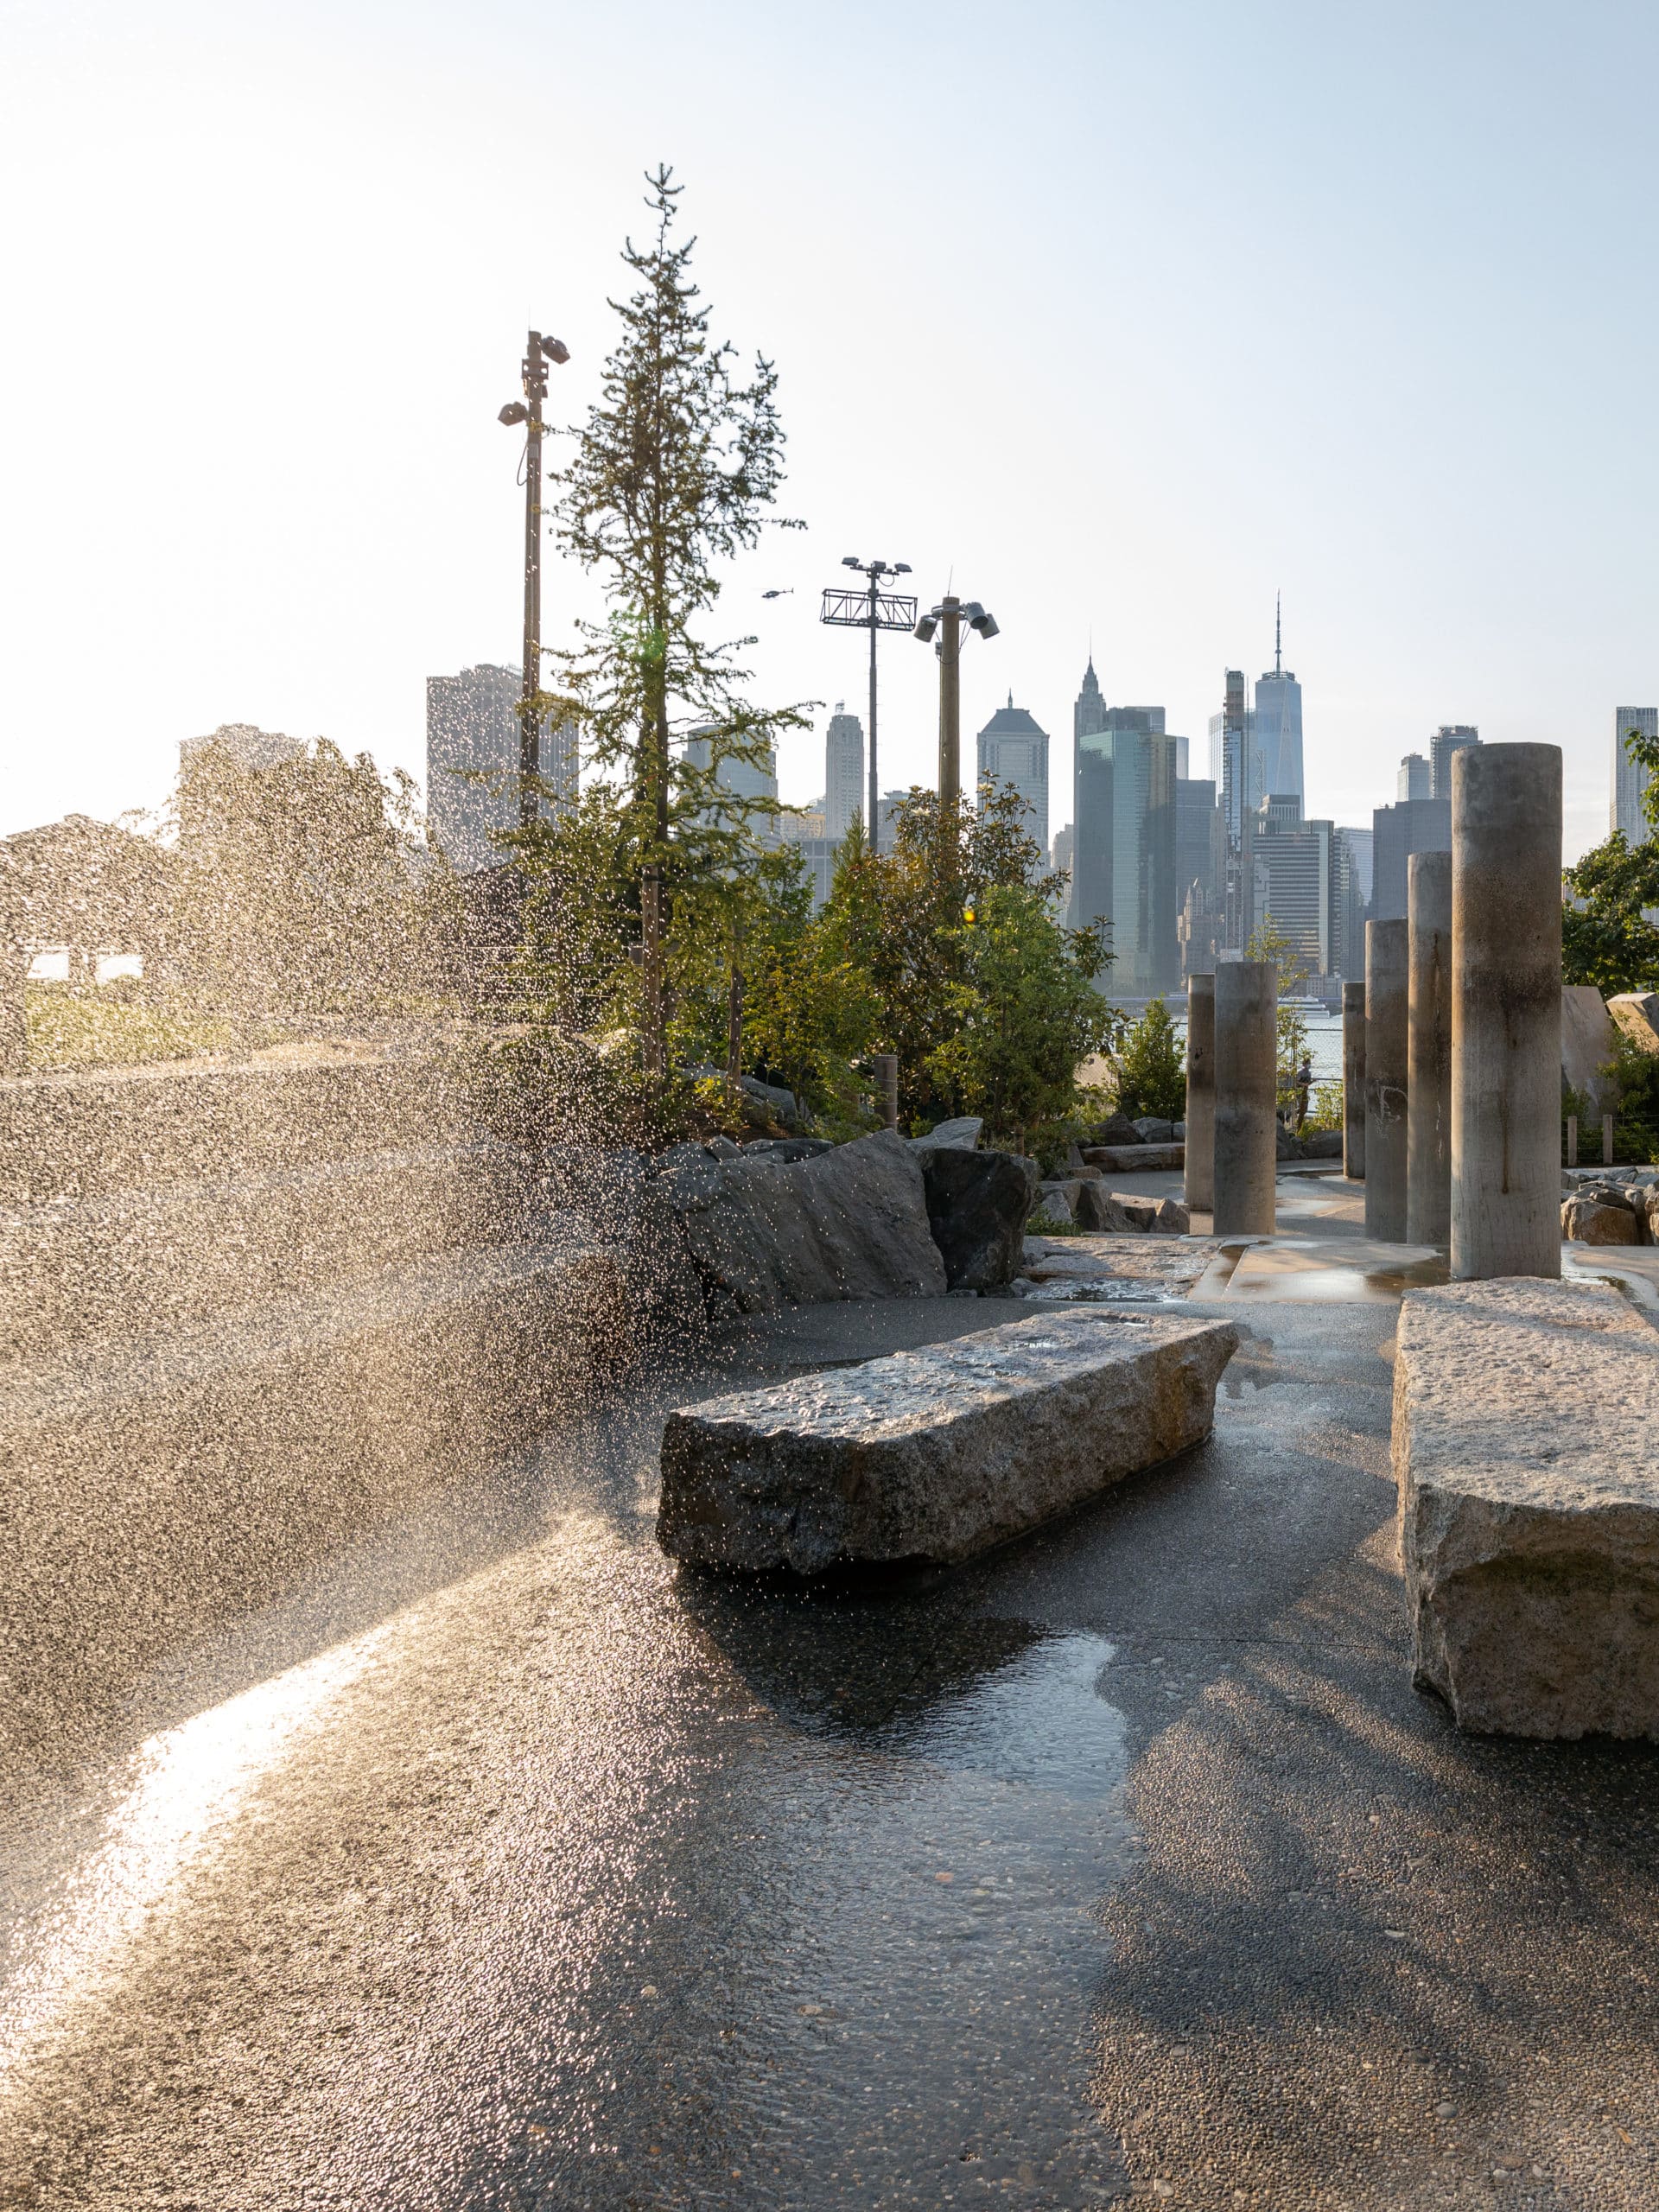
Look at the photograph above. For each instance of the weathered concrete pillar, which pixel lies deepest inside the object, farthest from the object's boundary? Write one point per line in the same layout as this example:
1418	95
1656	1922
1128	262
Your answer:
1353	1081
1247	1070
1506	1011
1201	1167
1429	1069
1388	994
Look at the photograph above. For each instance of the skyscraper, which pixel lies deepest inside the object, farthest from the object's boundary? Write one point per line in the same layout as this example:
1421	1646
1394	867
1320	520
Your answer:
472	763
1350	885
1123	864
742	778
1629	776
1411	825
1235	766
1292	863
843	773
1012	749
1412	782
1200	840
1450	738
1278	722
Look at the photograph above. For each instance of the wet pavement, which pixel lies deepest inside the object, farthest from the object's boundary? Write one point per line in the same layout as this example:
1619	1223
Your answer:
505	1864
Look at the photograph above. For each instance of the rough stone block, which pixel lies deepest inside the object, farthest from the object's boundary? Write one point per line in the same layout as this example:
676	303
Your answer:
1637	1014
851	1223
1524	1414
1136	1159
937	1453
1588	1042
960	1135
1598	1221
978	1204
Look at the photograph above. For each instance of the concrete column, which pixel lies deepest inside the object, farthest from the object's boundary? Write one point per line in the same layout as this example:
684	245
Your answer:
1353	1081
1388	977
1247	1070
1506	1011
1200	1170
1428	1073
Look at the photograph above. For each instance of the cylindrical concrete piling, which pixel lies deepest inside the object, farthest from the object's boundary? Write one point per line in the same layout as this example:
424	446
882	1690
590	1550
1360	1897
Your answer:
1506	1011
1200	1160
1247	1070
1353	1081
1388	995
1428	1054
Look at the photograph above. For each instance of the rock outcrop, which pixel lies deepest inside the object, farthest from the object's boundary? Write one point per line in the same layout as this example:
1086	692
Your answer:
978	1204
1586	1220
765	1234
1524	1415
962	1134
939	1453
1637	1014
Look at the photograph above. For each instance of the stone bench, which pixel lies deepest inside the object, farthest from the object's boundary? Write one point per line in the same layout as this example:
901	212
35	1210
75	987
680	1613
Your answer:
1134	1158
940	1453
1525	1415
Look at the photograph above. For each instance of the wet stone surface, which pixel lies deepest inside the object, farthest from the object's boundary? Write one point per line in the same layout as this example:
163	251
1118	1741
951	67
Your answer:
502	1863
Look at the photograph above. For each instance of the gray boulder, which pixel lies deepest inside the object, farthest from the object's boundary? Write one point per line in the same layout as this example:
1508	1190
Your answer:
960	1135
1322	1144
1594	1221
1289	1145
1524	1414
1151	1130
978	1204
1098	1211
939	1453
851	1223
785	1149
1118	1130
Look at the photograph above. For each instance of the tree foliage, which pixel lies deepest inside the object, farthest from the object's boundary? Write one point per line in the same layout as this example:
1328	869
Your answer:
672	472
305	885
1607	939
1152	1067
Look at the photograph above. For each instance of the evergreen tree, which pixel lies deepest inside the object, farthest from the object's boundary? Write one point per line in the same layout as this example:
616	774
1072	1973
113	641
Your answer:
672	472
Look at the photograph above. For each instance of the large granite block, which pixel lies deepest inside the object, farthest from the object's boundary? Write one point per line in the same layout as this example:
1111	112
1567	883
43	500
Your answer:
1524	1417
978	1204
851	1223
937	1453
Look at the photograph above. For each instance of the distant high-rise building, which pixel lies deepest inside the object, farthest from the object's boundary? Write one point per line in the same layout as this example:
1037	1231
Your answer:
1124	855
1629	776
1089	710
1412	825
800	829
1412	782
1350	888
1361	844
1012	749
1183	759
472	763
1059	858
1200	841
1450	738
1292	863
1278	723
843	773
743	780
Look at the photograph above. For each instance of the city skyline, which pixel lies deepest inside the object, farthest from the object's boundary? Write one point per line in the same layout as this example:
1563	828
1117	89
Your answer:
1493	580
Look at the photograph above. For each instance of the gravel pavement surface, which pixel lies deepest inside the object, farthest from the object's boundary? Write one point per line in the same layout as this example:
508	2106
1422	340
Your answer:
504	1865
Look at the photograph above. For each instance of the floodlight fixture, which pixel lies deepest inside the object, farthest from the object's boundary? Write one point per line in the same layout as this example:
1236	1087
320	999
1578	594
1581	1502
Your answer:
926	628
514	411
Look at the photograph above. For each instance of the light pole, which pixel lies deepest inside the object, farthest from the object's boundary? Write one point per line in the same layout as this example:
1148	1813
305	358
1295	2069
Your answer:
945	621
872	610
538	352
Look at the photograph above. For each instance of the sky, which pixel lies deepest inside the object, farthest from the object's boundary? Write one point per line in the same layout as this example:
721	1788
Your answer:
1119	319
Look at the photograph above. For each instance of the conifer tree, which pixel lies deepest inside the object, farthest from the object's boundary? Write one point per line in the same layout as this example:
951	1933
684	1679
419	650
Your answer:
673	473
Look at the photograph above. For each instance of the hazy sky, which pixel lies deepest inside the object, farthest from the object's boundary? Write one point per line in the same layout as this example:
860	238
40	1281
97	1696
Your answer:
1127	315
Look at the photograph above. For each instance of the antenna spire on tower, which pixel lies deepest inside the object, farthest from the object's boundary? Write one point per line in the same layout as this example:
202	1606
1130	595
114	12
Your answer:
1278	635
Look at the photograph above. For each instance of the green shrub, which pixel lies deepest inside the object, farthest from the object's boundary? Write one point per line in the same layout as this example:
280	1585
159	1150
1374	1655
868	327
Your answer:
1152	1068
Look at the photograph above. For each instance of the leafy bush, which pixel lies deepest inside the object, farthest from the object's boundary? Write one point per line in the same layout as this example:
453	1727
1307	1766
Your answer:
1152	1068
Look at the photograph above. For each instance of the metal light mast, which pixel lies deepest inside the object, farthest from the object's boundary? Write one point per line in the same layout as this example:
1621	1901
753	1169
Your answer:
538	352
870	609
